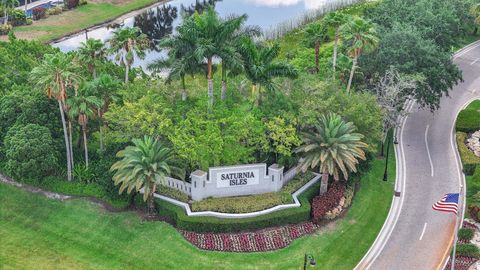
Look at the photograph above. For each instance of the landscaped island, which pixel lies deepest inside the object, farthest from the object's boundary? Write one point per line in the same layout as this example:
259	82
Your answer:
226	122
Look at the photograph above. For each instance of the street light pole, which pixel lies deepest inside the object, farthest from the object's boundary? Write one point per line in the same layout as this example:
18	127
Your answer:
385	174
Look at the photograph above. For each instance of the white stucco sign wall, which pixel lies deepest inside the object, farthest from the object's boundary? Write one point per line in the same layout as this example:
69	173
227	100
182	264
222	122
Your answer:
236	178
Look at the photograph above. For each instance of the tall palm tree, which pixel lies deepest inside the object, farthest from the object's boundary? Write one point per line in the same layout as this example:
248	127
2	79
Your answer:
82	106
54	75
336	20
212	36
104	87
334	147
260	68
128	43
91	53
361	37
144	165
181	59
315	33
7	5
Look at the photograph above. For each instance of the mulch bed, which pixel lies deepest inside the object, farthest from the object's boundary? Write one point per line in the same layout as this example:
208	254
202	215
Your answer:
461	263
264	240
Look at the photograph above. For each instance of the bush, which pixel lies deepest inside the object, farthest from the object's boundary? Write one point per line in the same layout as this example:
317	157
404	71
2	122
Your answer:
216	225
5	29
468	250
29	151
474	211
39	13
173	193
327	202
82	2
54	10
469	160
469	119
69	4
252	203
18	17
83	174
466	234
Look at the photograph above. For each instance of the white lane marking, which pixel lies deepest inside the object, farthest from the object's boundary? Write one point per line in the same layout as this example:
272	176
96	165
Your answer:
428	151
423	231
467	49
473	63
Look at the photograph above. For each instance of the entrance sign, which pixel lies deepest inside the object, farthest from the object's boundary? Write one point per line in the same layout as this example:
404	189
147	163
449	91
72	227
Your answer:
235	178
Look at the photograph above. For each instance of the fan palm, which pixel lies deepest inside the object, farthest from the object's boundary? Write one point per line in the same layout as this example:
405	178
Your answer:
145	165
91	53
127	44
334	147
362	37
260	68
335	20
82	106
315	33
54	75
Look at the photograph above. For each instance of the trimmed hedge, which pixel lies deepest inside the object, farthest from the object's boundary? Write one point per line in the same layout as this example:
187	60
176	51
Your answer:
469	119
468	250
469	160
466	234
217	225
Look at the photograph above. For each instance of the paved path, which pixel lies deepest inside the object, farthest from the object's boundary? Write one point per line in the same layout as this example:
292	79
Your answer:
429	168
32	5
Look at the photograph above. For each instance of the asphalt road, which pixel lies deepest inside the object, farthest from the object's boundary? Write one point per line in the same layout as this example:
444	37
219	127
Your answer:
422	237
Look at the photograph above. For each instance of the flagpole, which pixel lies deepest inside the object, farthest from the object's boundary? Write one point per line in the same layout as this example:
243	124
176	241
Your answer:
456	231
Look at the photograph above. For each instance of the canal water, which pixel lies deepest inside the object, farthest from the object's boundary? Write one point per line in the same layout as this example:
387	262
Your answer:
160	21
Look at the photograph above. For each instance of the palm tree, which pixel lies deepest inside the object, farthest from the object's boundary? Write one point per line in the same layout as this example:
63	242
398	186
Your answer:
260	68
91	53
144	165
334	146
335	20
55	74
181	60
7	5
82	106
126	44
213	37
362	37
315	33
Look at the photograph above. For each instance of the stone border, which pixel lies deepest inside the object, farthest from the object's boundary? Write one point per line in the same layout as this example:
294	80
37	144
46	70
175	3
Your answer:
189	212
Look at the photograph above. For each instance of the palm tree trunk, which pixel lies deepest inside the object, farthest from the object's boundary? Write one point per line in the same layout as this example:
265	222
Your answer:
71	141
5	16
224	81
184	89
317	56
26	6
94	73
101	129
67	146
127	70
352	72
151	200
85	144
210	82
335	50
324	183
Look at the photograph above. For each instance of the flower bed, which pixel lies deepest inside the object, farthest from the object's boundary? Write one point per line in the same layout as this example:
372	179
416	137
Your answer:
264	240
461	263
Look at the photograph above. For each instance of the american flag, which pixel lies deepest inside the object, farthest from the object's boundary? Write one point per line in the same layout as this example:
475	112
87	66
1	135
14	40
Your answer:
449	203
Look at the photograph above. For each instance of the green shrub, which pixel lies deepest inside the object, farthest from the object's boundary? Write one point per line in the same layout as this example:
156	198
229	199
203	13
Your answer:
54	10
469	160
5	29
469	119
213	224
468	250
83	174
173	193
465	234
252	203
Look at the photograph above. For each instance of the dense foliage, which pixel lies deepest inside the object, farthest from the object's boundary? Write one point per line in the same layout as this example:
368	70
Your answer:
468	120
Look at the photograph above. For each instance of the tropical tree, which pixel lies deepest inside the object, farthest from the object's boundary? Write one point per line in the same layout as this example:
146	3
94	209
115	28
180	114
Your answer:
145	165
315	33
361	37
475	12
333	146
181	59
212	35
54	75
7	5
335	20
260	68
127	44
91	53
82	106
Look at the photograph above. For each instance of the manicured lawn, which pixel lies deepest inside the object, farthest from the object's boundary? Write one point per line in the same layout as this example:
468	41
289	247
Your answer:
38	233
94	12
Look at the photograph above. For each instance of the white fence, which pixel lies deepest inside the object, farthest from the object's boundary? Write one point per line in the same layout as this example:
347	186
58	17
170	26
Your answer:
179	185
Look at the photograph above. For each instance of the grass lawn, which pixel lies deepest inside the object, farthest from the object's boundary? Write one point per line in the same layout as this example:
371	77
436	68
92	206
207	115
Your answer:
93	13
38	233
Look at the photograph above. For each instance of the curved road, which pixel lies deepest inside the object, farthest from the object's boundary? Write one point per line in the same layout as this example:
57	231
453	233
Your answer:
428	168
